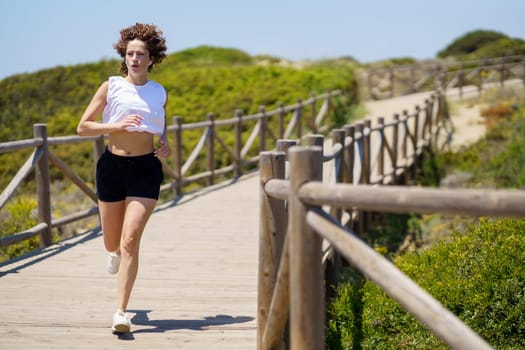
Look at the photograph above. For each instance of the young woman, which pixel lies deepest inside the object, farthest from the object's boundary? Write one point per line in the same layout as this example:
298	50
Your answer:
129	172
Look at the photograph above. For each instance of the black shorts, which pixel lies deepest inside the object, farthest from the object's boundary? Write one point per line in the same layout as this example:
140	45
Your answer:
119	177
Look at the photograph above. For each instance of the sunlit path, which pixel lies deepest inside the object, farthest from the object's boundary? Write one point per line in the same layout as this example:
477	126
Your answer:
196	287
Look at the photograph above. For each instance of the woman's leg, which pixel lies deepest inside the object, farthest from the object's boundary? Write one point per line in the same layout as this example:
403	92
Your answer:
112	218
137	213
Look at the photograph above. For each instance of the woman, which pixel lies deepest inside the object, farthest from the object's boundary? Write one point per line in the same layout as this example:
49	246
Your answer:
129	172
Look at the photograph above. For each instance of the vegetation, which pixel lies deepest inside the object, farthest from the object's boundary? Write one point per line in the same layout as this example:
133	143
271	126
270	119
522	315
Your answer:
483	44
475	274
475	271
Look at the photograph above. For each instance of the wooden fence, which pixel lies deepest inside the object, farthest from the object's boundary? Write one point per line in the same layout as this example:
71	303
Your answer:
299	209
401	80
311	115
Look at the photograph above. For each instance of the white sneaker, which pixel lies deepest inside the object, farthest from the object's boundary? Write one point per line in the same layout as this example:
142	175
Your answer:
121	322
113	263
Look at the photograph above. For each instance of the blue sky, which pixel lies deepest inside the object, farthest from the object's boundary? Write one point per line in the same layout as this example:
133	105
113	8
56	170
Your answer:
38	34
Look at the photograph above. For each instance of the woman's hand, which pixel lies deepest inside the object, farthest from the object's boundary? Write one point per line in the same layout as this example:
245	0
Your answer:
164	150
131	120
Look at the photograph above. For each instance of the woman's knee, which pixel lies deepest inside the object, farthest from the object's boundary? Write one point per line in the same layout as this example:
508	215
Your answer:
130	244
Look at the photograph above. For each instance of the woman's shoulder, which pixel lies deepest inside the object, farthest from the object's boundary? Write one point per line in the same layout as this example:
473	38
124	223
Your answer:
114	78
157	87
155	84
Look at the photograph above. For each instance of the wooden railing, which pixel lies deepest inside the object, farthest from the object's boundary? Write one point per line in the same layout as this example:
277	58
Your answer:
307	116
424	76
299	209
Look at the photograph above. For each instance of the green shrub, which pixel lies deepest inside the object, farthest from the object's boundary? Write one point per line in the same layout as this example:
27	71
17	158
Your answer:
470	42
498	160
22	216
478	275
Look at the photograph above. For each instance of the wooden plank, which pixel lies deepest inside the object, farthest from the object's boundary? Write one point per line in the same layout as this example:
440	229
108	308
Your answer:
196	287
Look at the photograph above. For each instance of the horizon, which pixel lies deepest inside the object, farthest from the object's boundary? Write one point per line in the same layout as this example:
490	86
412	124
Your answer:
288	29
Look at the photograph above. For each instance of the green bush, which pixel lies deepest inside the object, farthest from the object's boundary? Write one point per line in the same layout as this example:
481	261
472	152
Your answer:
22	216
498	160
470	42
478	275
501	47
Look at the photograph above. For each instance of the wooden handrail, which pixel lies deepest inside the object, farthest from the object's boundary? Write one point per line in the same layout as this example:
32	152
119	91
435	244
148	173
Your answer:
239	156
404	199
399	80
304	194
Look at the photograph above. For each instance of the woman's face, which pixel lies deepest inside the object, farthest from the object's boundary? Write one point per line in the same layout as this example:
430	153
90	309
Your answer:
137	57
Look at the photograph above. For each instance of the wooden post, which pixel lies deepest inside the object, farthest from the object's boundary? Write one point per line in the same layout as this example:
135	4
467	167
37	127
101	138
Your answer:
416	142
367	150
283	146
43	186
395	147
262	131
282	114
360	224
416	126
329	106
338	137
404	146
314	127
349	155
238	143
381	160
314	140
367	132
349	165
211	149
334	263
273	223
430	118
299	119
306	275
177	155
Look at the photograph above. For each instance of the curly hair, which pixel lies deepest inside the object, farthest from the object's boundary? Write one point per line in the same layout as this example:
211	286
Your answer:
148	33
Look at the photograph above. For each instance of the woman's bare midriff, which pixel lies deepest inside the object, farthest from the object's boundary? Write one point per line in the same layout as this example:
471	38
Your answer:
126	143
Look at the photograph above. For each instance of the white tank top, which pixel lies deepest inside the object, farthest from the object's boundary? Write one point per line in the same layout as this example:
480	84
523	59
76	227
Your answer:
146	100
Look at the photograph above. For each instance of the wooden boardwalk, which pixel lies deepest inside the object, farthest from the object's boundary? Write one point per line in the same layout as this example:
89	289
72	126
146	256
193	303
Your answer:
196	288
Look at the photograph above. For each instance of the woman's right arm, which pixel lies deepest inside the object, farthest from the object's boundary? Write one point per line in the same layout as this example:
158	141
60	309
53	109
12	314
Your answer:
89	126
